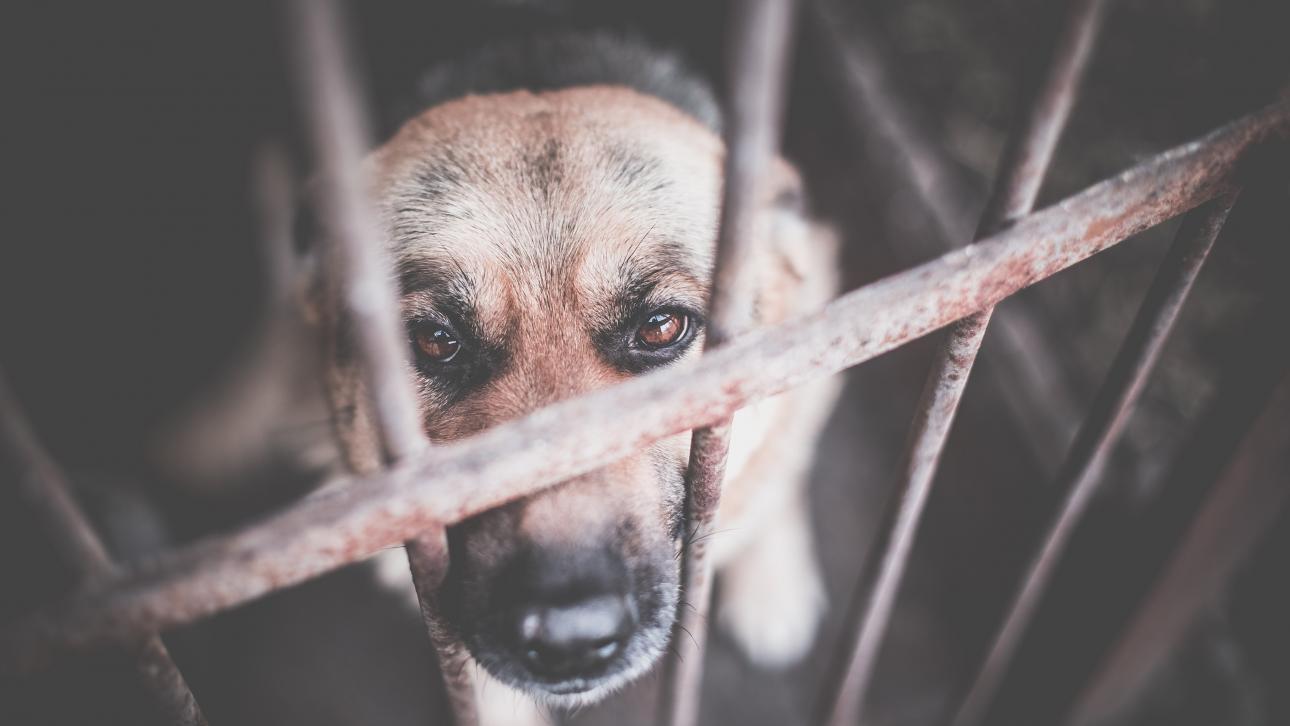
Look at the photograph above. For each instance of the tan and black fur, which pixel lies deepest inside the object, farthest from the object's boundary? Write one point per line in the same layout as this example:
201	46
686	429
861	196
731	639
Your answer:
542	228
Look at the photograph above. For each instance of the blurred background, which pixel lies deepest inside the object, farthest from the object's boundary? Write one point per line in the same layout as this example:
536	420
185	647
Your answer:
133	291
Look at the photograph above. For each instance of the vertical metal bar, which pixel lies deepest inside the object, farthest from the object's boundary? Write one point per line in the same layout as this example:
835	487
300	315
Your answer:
340	133
1244	503
761	38
43	485
1081	472
1024	360
1021	174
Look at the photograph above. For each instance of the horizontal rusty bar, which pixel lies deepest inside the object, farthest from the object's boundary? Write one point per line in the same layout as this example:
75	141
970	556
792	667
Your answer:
1242	506
45	489
1081	473
1021	173
761	33
344	523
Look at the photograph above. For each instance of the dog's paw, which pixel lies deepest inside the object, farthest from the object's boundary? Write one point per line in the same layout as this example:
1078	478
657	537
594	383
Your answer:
772	604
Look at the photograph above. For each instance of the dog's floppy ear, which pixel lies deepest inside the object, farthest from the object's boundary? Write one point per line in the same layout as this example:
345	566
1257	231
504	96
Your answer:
801	273
308	248
318	297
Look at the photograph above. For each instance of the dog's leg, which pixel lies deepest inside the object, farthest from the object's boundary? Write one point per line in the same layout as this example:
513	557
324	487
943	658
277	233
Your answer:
772	595
771	591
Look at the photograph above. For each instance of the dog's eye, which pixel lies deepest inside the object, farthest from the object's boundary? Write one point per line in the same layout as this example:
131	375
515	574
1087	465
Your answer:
662	328
436	344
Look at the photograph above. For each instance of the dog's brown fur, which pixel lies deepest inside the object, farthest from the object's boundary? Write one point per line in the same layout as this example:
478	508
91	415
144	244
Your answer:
544	214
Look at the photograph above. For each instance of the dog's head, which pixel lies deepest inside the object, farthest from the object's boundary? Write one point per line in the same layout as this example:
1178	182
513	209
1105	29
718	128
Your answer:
548	245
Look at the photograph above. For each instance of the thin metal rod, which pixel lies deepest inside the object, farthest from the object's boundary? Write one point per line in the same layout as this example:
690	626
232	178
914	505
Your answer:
875	596
1023	357
43	486
1021	174
340	135
881	114
1241	507
448	483
1026	158
761	37
1082	470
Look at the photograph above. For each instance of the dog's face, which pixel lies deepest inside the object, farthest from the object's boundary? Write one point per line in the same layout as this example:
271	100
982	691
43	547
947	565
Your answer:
548	245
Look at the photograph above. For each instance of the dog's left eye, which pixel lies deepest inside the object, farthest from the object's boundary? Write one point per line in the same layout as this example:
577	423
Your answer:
662	329
436	344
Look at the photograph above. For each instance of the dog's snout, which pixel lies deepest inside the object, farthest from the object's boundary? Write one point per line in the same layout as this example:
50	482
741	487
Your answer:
578	639
566	594
574	614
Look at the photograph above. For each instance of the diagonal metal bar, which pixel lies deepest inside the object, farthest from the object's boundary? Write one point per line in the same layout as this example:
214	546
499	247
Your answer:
761	37
1023	359
346	523
901	136
340	134
1240	508
1082	470
43	486
1021	173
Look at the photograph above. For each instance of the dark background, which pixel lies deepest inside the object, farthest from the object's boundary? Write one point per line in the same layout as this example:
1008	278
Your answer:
131	281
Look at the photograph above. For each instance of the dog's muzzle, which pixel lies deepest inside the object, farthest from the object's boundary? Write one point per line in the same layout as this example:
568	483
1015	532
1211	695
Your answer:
570	615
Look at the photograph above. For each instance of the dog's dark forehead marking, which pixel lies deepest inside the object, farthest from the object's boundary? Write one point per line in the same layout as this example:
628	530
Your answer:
544	167
443	175
633	168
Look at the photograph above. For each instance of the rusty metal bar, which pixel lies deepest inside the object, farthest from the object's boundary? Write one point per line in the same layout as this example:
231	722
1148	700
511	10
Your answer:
1081	472
43	486
340	133
448	483
761	37
1021	173
1023	359
428	559
1241	507
340	136
878	111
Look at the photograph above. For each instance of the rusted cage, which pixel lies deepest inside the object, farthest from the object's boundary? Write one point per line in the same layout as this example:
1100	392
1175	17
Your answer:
425	489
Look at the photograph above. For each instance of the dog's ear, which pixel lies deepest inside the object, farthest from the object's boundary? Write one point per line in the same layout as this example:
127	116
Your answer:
801	270
310	290
317	296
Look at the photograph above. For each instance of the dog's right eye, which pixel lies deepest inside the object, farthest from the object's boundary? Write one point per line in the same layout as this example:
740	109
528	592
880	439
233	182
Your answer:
435	343
662	328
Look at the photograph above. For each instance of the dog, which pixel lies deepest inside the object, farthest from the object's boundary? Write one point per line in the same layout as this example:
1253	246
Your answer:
552	215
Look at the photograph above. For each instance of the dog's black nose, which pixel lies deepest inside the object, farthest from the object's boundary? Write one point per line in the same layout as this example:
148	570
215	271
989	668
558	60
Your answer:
578	639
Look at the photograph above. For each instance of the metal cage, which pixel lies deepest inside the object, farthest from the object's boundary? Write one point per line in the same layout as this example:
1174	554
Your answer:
425	489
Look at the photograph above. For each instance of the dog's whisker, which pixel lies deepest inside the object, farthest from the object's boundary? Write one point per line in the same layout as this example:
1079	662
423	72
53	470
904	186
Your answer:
687	632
